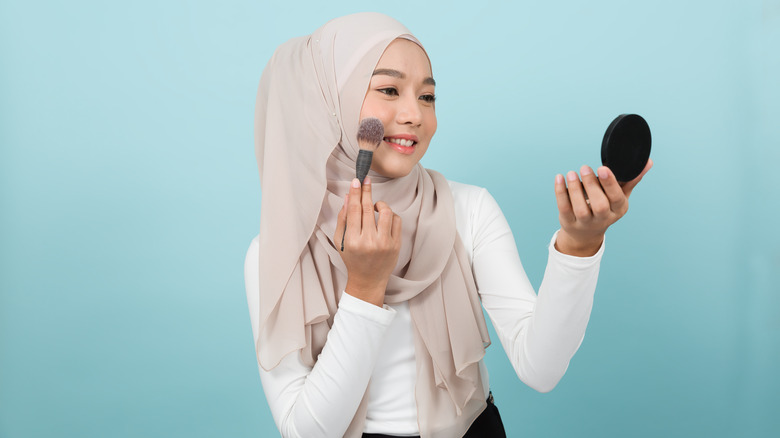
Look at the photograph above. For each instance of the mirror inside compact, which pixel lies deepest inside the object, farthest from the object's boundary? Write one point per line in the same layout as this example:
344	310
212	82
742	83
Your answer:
626	146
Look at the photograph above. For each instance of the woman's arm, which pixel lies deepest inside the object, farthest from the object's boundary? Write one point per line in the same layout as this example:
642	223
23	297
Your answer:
540	333
321	401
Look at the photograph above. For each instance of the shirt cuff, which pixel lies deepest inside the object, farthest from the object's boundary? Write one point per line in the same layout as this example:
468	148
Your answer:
382	315
574	261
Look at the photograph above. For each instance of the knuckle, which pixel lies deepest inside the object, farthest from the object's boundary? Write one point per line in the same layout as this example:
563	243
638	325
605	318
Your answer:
620	205
599	208
581	212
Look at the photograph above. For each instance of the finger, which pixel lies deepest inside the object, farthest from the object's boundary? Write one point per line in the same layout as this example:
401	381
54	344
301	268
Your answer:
617	199
577	196
341	221
354	209
385	224
396	233
562	198
369	223
599	204
628	187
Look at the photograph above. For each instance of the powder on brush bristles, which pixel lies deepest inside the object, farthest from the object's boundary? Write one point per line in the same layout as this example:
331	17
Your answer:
369	136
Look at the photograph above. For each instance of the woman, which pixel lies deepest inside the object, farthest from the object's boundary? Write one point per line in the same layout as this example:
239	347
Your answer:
387	337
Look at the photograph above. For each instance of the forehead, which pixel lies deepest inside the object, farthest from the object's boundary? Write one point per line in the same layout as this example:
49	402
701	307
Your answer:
406	56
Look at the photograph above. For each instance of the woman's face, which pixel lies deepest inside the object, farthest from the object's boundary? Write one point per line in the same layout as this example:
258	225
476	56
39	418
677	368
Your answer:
401	95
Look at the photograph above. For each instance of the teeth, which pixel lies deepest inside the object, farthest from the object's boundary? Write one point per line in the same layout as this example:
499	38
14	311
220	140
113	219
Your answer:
399	141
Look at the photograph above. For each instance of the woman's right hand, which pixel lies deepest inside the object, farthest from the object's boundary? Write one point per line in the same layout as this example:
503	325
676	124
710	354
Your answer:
371	247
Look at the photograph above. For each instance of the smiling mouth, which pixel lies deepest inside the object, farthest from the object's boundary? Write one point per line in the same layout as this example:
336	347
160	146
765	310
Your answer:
400	142
401	145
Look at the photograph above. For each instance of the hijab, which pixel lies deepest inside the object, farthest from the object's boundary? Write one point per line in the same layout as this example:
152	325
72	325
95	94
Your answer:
306	121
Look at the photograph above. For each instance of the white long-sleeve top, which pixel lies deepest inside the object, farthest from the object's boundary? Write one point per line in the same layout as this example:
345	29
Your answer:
372	347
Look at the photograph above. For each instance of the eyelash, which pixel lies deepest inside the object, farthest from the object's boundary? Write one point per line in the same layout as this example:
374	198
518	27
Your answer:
429	98
389	91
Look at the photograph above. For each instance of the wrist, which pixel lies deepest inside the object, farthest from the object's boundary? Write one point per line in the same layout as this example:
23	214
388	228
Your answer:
578	246
373	293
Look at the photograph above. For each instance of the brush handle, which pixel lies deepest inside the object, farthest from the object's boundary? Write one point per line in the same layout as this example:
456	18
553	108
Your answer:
363	164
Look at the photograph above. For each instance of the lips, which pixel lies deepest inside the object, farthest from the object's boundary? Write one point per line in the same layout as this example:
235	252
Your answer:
403	144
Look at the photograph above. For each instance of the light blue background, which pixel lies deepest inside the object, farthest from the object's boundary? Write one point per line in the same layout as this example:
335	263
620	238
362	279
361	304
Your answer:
129	194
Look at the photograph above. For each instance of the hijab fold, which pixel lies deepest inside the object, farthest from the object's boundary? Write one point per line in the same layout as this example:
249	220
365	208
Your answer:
306	121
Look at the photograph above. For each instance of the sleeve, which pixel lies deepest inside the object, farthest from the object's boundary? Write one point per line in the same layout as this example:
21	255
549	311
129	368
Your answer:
540	334
321	401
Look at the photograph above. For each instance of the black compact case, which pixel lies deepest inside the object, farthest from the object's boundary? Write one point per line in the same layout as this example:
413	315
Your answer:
626	146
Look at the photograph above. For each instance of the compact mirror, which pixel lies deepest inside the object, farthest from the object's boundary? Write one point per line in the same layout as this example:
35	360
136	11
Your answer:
626	146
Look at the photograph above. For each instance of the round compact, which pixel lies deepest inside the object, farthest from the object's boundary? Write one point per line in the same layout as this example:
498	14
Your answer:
626	146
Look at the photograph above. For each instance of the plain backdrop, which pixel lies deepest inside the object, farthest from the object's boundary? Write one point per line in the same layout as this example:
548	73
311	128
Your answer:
129	194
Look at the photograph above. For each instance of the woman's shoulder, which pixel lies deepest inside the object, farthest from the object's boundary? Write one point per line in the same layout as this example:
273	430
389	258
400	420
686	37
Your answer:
252	257
465	192
254	244
468	197
474	208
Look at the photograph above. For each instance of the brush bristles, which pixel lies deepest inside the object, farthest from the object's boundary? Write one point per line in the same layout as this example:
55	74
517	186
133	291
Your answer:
370	133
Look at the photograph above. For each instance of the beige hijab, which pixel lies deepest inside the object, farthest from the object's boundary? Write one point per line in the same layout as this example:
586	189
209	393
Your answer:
306	121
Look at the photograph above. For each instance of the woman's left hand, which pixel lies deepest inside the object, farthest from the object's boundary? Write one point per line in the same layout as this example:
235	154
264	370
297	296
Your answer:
586	209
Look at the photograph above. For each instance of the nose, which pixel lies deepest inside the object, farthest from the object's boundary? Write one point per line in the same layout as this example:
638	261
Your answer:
409	112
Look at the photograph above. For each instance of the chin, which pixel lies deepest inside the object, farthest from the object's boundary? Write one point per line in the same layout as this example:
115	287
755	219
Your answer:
393	172
394	166
394	169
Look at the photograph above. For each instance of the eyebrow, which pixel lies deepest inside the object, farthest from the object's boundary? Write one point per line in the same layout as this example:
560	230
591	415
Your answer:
397	74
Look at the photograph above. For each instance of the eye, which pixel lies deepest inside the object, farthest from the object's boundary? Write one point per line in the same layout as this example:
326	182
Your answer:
429	98
390	91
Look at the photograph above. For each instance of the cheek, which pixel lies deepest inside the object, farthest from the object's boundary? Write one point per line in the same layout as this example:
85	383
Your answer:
432	123
368	104
374	108
365	109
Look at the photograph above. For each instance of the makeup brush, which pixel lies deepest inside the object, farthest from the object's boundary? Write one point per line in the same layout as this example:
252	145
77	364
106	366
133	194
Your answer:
369	136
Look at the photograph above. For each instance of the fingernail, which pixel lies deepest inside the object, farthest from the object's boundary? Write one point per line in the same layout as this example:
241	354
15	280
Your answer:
572	175
559	179
603	174
586	170
355	183
367	180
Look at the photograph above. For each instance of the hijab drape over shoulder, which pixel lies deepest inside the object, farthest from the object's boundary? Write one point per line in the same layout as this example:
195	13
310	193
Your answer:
306	121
